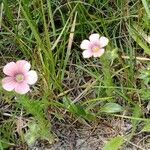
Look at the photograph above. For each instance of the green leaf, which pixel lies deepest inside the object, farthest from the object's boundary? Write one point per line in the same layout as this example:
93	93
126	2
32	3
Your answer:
90	116
114	144
133	31
78	110
111	108
112	55
35	132
146	7
145	75
145	94
32	135
136	114
146	128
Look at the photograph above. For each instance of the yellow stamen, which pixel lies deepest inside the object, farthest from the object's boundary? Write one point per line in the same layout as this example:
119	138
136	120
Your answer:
95	49
19	78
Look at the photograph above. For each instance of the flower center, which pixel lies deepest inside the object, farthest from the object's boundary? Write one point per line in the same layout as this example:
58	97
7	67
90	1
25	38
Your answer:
95	49
19	77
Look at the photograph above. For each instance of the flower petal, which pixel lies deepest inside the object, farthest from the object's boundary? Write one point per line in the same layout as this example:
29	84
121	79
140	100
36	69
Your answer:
31	77
22	88
23	66
103	41
10	68
94	37
87	53
8	83
99	53
85	44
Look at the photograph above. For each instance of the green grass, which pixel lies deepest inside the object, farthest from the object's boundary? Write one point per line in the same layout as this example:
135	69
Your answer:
49	34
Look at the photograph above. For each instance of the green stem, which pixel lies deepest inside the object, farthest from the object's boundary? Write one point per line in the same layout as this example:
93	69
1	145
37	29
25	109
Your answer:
107	74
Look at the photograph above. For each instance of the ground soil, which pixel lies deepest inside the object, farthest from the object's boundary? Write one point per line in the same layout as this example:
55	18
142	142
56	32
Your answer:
93	137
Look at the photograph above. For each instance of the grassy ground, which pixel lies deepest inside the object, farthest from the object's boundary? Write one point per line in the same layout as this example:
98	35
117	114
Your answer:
76	100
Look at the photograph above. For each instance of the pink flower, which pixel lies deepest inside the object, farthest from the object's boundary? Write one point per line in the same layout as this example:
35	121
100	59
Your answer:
94	46
18	76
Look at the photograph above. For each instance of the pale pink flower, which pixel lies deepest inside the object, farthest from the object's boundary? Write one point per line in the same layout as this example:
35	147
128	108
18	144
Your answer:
94	46
18	77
